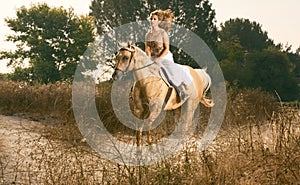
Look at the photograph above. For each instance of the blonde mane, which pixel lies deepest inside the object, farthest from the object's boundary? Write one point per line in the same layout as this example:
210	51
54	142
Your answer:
139	53
143	60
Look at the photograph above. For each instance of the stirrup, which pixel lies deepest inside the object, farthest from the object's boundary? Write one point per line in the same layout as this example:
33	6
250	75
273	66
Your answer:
184	96
182	92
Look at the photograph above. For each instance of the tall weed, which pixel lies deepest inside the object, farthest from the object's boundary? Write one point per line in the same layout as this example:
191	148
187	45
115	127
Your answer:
259	142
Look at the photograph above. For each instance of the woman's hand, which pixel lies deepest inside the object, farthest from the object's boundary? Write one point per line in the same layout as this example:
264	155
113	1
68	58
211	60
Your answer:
157	59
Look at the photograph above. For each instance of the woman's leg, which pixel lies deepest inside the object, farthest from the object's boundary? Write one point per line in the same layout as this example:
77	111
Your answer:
177	77
175	72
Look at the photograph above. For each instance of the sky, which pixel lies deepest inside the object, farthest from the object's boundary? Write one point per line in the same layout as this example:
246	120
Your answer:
279	18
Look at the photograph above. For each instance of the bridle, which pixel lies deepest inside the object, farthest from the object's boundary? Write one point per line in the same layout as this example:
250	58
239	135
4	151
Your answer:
132	51
125	71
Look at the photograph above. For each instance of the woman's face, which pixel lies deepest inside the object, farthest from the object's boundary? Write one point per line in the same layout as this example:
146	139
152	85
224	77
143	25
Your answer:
154	20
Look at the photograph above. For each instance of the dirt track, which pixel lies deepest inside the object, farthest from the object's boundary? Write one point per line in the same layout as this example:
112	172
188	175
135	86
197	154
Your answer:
17	135
29	156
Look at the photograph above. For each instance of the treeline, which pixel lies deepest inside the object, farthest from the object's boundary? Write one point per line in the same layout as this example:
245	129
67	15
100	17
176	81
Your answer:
52	40
249	58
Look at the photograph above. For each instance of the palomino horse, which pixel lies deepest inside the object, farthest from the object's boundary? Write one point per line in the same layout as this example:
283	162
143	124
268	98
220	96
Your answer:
150	90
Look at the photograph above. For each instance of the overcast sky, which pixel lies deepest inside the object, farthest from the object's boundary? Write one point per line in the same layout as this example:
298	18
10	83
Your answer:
279	18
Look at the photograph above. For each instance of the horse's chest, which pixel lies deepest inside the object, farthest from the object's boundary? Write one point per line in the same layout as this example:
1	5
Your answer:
147	90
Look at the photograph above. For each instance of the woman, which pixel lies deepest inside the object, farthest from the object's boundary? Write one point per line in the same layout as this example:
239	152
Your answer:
157	46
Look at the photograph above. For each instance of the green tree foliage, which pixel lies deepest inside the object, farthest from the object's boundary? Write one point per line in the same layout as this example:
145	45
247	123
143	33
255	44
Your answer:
113	13
271	70
295	59
249	34
51	39
231	50
197	16
249	58
21	74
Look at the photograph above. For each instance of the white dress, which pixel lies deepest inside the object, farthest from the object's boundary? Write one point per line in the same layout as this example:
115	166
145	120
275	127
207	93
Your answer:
175	73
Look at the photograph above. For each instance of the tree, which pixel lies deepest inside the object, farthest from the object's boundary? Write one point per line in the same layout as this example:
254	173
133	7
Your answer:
249	34
295	59
231	56
199	17
113	13
21	74
51	39
196	16
272	71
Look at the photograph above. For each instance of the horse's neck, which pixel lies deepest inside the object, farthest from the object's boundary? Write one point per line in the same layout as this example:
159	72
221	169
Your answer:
144	70
144	67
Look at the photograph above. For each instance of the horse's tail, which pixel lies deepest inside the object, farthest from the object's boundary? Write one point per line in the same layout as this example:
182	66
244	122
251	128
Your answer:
207	102
206	85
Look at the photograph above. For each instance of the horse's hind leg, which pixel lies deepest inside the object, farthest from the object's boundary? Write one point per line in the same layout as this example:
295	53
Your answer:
188	109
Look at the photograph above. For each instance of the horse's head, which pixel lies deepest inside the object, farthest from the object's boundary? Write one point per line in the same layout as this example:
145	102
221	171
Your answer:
124	61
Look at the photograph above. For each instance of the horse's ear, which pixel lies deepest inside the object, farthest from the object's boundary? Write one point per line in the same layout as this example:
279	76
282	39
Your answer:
130	46
119	44
129	43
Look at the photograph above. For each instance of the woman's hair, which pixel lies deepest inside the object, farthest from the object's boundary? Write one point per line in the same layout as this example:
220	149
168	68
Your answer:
166	17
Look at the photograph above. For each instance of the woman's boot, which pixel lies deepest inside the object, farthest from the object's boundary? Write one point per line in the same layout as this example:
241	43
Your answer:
182	92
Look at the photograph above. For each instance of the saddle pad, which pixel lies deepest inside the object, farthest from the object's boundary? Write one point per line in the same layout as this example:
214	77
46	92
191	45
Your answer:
187	71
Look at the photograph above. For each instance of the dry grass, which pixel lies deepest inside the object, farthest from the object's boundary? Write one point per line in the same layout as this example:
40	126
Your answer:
46	100
259	143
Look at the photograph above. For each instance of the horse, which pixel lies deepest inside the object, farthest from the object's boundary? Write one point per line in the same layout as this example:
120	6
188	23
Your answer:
151	94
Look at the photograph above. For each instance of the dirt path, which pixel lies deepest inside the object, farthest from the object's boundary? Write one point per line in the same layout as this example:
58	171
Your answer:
29	156
17	138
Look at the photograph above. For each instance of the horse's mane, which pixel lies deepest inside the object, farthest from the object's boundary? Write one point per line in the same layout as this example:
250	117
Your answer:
139	54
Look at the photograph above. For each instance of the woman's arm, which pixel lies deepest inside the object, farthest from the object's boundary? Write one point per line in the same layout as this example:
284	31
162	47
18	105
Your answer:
147	47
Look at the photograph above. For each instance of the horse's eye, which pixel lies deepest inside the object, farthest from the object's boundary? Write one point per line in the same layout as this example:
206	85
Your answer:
125	57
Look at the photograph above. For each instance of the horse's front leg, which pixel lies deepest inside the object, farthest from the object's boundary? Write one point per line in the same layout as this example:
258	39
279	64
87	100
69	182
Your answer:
155	108
139	128
139	112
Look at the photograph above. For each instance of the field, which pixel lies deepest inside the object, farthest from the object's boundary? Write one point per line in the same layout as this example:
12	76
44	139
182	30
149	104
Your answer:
258	143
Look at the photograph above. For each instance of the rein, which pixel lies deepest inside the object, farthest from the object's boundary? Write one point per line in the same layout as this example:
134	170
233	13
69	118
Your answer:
143	67
124	72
